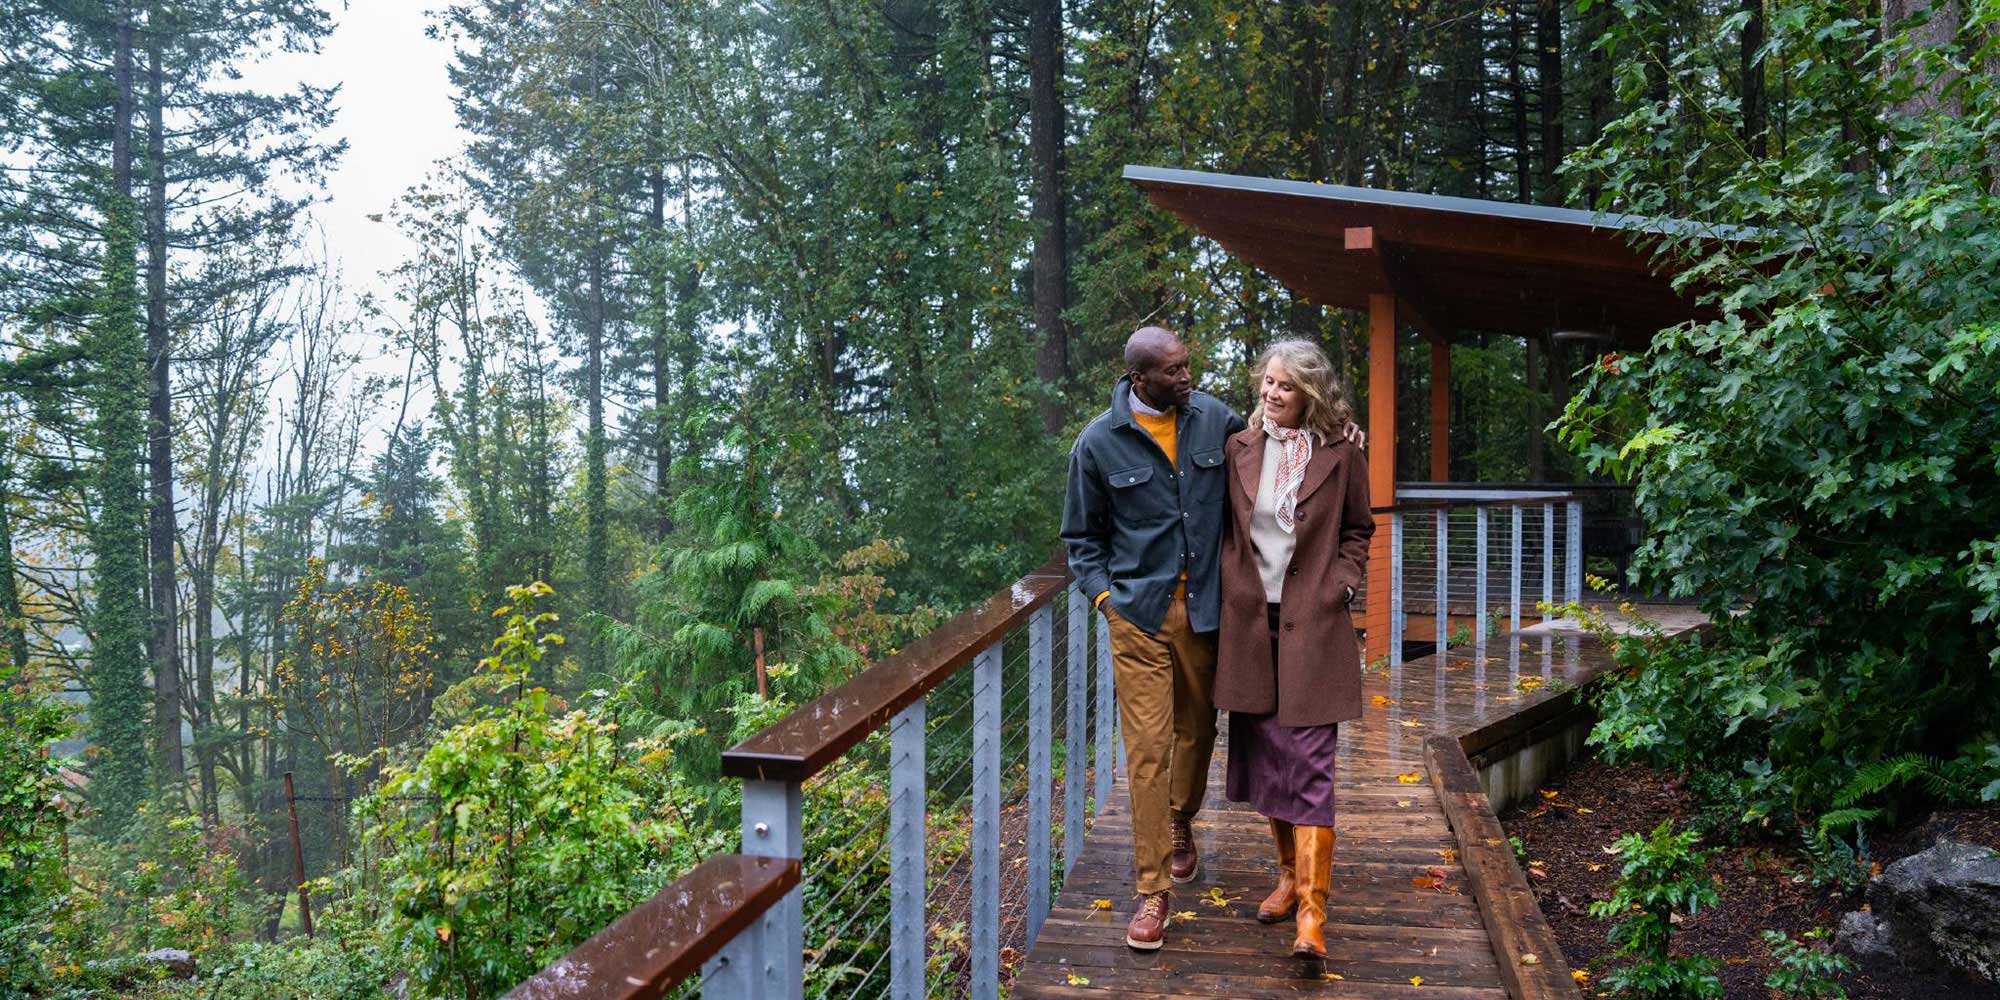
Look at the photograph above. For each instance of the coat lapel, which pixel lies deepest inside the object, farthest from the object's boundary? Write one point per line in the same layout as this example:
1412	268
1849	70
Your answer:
1325	459
1248	460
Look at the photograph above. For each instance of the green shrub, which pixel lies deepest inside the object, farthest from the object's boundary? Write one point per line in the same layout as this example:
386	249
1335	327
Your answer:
1663	874
1806	966
1818	453
530	829
31	825
325	969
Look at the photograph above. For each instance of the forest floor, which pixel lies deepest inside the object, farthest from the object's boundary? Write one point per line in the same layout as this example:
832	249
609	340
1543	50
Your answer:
1566	830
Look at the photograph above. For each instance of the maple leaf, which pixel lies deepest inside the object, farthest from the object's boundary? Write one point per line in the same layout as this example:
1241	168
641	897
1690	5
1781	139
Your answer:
1416	980
1215	898
1380	702
1410	778
1580	976
1449	854
1184	916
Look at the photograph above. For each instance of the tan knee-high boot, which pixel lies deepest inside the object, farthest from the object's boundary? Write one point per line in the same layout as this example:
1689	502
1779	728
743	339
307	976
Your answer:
1279	904
1315	876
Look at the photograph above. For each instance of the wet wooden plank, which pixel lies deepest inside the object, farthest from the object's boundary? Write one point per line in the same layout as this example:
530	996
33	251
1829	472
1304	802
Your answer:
1405	816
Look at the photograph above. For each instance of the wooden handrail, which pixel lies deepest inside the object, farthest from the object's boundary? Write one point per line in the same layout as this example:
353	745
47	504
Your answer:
1428	505
663	941
805	742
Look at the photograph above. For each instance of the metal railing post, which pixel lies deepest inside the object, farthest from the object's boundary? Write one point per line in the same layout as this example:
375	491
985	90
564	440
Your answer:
1573	556
1548	557
1481	520
1076	714
1395	587
732	973
1443	606
985	941
1040	726
1107	709
1514	573
907	854
774	827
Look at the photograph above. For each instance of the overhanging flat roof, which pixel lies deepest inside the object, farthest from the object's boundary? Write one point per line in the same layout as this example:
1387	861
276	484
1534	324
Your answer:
1463	265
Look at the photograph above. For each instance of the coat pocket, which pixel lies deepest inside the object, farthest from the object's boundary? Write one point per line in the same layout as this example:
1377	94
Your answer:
1135	497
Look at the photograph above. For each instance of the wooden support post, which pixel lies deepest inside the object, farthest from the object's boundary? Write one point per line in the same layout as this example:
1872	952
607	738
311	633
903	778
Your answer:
298	859
763	683
1381	464
1440	410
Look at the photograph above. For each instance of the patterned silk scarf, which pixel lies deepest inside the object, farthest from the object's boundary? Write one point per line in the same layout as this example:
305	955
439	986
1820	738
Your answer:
1291	470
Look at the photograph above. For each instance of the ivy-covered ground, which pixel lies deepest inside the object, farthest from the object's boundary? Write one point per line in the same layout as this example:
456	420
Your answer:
1564	838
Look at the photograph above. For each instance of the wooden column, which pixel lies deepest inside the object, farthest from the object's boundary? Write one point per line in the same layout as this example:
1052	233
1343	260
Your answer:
1440	410
1381	463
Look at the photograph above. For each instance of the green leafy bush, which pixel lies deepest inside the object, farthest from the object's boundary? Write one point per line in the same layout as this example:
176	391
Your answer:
31	825
1806	968
1663	874
530	829
1820	452
325	969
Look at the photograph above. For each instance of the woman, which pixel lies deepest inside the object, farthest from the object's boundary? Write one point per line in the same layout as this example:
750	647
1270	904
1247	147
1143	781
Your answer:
1288	668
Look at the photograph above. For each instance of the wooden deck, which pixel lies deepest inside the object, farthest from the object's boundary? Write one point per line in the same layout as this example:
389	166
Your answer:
1391	932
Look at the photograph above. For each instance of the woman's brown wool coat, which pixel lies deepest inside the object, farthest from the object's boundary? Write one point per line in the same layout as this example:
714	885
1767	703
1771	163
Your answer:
1317	677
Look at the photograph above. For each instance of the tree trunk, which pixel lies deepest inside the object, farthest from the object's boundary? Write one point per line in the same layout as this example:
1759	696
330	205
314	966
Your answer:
1549	50
1523	175
1750	70
1307	23
10	589
1051	217
160	531
1939	31
663	438
596	529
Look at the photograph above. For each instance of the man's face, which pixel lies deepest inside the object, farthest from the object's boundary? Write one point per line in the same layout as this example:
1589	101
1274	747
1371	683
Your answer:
1166	381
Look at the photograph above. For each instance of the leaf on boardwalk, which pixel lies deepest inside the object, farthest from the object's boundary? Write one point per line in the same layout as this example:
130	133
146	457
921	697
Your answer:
1530	958
1416	980
1380	702
1184	916
1580	976
1076	980
1402	803
1331	976
1410	778
1214	897
1411	723
1100	906
1449	854
1530	683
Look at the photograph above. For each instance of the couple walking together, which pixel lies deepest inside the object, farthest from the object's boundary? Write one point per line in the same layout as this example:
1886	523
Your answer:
1223	556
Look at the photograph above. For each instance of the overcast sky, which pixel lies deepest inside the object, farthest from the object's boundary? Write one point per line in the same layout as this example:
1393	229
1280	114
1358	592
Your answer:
394	111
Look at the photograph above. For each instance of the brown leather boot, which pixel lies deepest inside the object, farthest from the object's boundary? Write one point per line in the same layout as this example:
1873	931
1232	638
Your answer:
1315	877
1184	864
1282	900
1148	929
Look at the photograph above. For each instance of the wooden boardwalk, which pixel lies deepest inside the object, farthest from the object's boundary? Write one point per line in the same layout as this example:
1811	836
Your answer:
1394	928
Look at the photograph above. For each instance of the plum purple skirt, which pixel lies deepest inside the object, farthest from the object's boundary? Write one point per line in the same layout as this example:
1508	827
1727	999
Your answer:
1284	772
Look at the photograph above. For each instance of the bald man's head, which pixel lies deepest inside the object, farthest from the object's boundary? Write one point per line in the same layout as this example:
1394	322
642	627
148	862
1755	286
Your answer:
1158	364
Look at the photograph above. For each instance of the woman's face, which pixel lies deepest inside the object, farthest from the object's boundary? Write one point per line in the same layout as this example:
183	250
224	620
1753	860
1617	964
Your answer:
1283	402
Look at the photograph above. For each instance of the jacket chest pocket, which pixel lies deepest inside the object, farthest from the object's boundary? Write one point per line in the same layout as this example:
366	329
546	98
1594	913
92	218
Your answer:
1137	498
1206	480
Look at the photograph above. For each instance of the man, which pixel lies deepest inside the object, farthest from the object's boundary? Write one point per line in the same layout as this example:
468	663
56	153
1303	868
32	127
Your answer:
1143	517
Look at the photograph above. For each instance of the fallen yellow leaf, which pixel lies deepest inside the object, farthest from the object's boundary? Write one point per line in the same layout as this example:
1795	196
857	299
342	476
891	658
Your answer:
1547	794
1530	958
1381	702
1411	778
1184	916
1530	683
1582	811
1411	723
1448	853
1402	803
1331	976
1076	980
1579	975
1416	980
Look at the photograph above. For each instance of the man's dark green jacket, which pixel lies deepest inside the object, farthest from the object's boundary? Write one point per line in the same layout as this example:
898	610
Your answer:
1133	518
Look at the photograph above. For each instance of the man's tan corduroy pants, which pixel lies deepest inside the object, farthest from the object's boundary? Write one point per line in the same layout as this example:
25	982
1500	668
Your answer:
1166	684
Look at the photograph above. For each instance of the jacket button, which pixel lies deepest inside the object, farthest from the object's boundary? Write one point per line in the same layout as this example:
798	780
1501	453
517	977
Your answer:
1294	571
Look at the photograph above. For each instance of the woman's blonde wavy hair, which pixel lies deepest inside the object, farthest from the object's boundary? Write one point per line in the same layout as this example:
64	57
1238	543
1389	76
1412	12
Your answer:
1328	411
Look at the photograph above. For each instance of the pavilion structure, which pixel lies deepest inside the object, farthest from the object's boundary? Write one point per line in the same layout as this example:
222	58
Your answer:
1451	268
